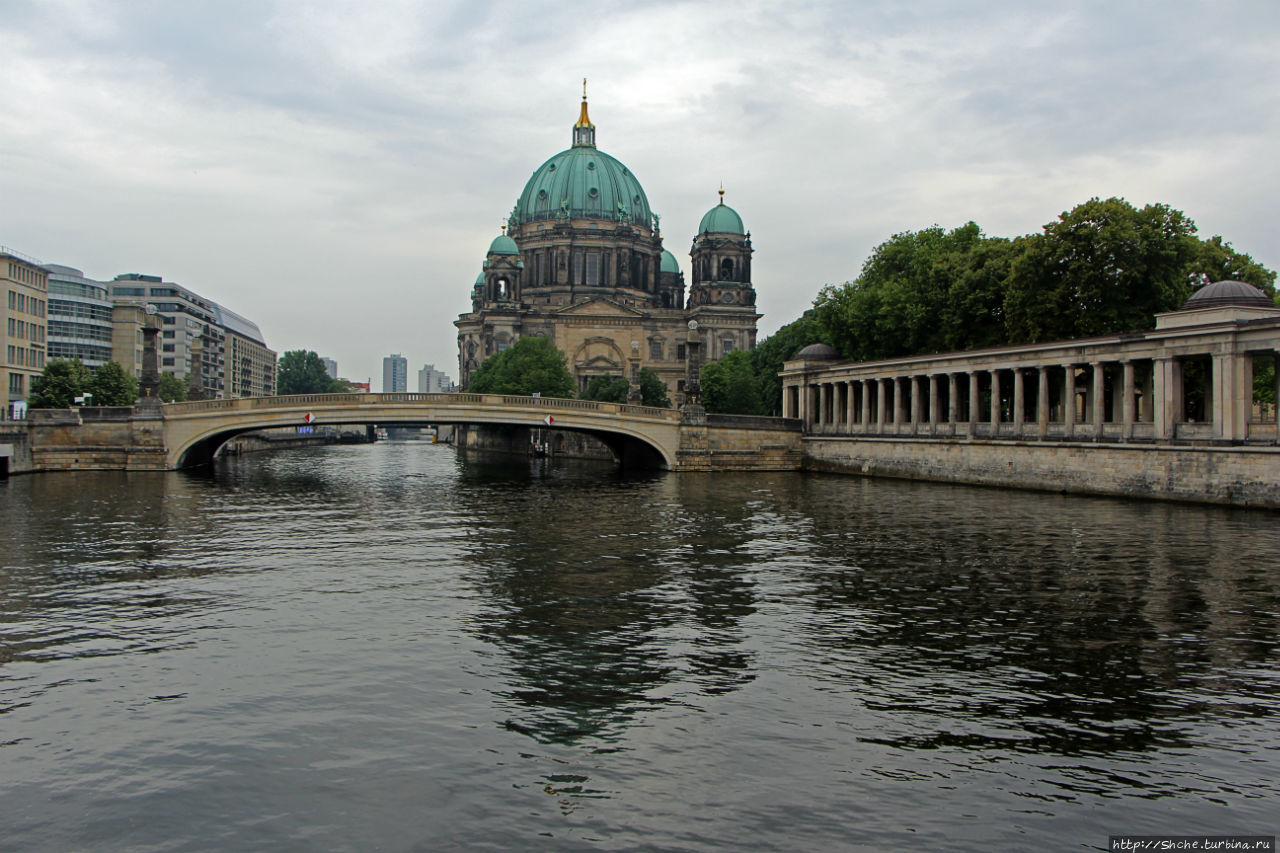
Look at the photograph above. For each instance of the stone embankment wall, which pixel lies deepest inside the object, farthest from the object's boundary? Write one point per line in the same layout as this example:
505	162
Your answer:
710	442
519	441
1243	476
94	437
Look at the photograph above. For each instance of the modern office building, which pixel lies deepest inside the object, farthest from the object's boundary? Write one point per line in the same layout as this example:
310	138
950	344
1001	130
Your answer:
80	317
218	352
395	374
330	367
23	333
432	381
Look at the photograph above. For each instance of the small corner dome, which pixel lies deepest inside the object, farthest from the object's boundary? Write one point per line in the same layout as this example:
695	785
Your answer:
1228	293
669	262
503	245
480	280
721	219
817	352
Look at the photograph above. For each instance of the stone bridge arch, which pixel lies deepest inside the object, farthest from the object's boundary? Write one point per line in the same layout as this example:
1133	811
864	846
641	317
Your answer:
638	436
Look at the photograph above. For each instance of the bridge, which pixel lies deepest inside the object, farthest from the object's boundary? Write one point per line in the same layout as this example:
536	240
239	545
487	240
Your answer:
183	435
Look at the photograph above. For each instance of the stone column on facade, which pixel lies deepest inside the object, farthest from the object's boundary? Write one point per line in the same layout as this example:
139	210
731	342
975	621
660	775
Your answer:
822	404
1126	416
851	399
1042	401
866	404
1099	400
975	402
913	382
1069	400
1233	393
1019	401
935	405
995	402
952	410
880	401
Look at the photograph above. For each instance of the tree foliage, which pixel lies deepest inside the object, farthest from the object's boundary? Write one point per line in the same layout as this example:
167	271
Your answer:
770	354
732	386
653	391
607	389
111	386
172	389
530	365
57	386
1102	267
302	372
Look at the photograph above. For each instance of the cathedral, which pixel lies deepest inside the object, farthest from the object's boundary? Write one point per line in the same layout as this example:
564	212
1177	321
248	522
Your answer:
581	261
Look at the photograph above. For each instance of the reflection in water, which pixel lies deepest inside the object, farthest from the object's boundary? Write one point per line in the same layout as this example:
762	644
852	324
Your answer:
394	646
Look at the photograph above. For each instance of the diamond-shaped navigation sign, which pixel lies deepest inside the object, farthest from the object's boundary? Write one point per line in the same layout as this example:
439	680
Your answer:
308	417
548	420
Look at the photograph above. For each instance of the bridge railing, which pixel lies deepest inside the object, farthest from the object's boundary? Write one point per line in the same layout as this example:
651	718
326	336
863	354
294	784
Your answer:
295	401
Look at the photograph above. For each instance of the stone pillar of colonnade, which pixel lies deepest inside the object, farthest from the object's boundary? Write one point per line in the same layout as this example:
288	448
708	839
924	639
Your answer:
953	405
995	402
1099	401
1233	395
916	413
975	402
866	404
881	392
1068	400
899	415
935	405
821	420
1042	401
1275	371
1019	402
851	400
1128	389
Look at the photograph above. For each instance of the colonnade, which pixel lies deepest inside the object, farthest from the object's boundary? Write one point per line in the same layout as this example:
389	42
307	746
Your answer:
1119	393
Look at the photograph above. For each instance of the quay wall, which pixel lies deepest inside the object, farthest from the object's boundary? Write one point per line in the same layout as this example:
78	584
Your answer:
1235	475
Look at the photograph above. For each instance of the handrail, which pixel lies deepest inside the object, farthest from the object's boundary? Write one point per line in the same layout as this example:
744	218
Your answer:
446	399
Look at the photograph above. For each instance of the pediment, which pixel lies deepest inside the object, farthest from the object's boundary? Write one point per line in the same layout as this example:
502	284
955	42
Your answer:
599	306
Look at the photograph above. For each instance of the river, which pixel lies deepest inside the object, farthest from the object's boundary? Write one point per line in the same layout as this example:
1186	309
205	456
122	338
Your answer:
391	647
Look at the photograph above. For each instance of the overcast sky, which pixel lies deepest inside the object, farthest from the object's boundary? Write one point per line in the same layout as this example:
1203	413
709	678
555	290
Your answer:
335	171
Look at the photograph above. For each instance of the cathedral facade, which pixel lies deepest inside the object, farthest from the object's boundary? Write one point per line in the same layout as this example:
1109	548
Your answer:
581	262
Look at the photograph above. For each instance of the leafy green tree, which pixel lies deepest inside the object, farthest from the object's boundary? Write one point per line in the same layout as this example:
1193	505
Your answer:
653	391
172	389
57	386
530	365
607	389
920	291
1102	267
732	386
111	386
1215	260
302	372
771	353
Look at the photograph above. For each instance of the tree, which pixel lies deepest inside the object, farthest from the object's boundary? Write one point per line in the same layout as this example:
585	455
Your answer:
920	291
1215	260
57	386
770	354
302	372
731	386
1102	267
607	389
530	365
653	391
172	389
111	386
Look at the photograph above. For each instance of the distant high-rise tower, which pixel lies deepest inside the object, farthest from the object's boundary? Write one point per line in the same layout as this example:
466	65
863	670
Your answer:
432	381
330	367
395	374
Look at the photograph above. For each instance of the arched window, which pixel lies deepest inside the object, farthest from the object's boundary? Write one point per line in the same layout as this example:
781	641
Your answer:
726	269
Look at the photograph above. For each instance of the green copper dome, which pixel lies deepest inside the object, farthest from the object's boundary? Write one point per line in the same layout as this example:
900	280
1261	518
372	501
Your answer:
669	262
503	245
721	219
583	182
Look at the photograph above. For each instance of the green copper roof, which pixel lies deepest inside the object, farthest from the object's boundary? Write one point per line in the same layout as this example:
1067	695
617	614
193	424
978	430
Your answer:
669	262
503	245
583	182
480	280
721	219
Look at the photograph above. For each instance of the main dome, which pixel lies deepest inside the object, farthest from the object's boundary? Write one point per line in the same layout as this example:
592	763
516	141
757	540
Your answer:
583	182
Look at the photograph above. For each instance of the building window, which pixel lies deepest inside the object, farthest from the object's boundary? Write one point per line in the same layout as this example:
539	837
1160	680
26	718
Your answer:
727	347
593	268
166	362
15	383
679	352
655	350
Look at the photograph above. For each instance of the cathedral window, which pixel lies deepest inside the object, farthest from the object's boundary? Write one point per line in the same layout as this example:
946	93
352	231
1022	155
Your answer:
593	268
577	268
655	350
726	269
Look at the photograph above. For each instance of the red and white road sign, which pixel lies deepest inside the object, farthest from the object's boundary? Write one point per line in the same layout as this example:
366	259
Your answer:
548	420
308	417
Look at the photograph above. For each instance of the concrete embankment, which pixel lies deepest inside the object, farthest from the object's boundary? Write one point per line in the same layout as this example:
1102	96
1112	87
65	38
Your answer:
1236	475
